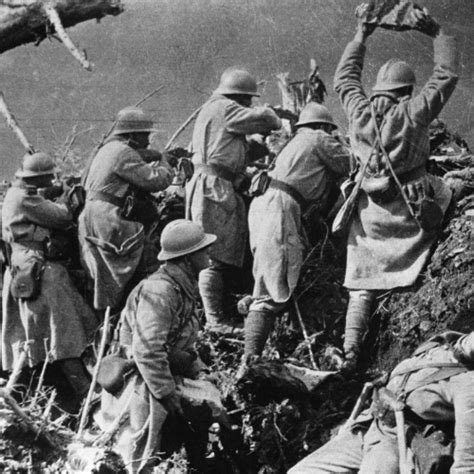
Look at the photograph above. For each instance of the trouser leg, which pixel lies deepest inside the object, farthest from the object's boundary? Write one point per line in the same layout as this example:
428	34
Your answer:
76	375
342	455
258	325
357	321
211	289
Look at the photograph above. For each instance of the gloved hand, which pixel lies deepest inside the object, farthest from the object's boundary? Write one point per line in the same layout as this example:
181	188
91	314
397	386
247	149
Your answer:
172	404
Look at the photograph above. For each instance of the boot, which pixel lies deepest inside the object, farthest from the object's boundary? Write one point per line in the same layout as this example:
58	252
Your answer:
258	325
358	314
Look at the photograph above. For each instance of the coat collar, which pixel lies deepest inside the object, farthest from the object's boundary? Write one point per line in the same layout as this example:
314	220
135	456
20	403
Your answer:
182	275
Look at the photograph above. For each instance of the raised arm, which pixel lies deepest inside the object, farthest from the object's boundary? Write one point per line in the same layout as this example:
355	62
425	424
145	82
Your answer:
249	120
151	177
347	80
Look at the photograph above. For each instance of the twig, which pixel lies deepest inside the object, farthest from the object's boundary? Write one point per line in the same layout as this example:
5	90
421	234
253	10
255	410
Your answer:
305	334
13	125
20	362
182	128
49	405
25	418
87	403
65	39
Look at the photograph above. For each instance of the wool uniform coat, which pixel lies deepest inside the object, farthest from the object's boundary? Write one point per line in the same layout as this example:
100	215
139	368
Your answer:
219	139
386	246
59	313
112	246
308	163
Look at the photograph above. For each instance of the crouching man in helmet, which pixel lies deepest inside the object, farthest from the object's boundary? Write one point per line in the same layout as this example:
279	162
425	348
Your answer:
302	179
220	150
401	207
111	237
40	301
158	332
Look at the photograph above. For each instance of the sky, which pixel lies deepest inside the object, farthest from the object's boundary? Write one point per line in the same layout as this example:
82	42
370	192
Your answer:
183	46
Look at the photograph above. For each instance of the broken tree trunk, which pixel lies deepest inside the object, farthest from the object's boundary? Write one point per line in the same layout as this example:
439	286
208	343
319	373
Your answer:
26	21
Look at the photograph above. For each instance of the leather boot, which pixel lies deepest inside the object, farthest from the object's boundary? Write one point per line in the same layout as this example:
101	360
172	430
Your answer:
258	325
358	314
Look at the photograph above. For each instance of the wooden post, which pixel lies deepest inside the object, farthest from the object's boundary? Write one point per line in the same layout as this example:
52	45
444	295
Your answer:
85	410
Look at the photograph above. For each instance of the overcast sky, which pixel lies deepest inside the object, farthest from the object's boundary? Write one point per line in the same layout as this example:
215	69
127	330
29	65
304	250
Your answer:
184	45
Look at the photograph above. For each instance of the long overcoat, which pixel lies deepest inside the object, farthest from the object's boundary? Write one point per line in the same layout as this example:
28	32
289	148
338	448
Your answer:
111	245
219	139
59	314
308	163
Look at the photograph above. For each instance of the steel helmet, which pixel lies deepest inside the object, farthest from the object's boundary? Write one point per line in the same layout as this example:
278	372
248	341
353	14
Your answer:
132	120
237	81
393	75
37	164
315	113
182	237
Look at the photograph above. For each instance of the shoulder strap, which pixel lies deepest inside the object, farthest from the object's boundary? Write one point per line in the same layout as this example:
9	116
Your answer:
389	163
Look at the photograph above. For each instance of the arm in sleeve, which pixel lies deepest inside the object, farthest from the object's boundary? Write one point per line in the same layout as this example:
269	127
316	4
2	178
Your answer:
151	177
45	213
336	156
347	80
154	317
426	106
246	121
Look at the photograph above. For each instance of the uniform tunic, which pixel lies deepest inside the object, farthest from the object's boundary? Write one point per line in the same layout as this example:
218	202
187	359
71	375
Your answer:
59	313
157	320
275	218
112	246
219	139
386	246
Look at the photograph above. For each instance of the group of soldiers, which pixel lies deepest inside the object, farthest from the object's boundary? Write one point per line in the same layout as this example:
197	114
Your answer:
398	209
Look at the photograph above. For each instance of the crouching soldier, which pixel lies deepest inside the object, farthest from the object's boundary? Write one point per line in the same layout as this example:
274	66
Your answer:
434	388
302	178
158	331
39	300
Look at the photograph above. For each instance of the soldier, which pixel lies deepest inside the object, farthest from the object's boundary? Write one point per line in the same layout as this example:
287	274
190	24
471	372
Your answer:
436	387
212	196
158	331
302	179
401	207
39	299
111	236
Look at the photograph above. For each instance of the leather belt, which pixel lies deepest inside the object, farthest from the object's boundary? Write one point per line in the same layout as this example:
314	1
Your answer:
107	197
217	170
290	190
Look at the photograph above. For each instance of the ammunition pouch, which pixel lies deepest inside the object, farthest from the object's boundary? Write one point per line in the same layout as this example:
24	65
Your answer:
113	372
181	362
26	280
259	183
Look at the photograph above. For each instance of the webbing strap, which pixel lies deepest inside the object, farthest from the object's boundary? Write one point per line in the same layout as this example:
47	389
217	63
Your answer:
290	190
442	374
107	197
426	365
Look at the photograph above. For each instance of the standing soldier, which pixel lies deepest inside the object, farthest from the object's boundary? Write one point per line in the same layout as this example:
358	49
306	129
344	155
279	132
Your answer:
302	179
111	237
401	206
213	200
39	299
